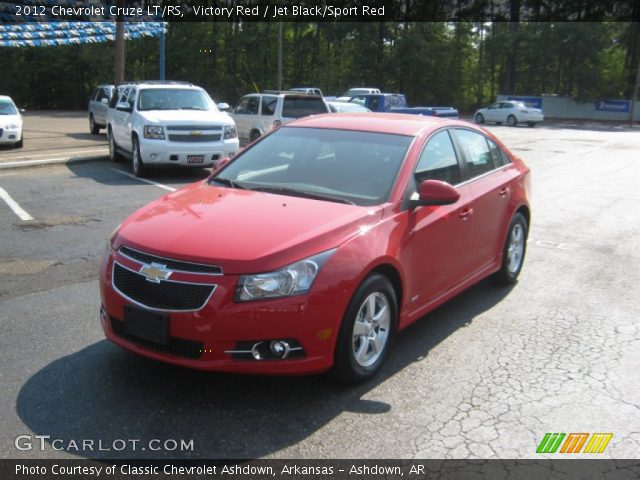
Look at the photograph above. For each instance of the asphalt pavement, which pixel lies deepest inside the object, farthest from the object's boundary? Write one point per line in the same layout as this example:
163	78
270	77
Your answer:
484	376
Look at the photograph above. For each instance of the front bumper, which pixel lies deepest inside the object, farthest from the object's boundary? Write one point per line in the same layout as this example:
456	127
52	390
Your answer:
206	339
154	151
10	136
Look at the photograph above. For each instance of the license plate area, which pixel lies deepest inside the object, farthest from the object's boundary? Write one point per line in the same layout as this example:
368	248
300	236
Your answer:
146	325
195	158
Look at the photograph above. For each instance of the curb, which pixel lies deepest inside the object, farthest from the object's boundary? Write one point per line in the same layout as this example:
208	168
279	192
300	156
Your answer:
55	161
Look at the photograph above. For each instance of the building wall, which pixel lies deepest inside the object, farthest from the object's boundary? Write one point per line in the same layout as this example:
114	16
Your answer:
566	108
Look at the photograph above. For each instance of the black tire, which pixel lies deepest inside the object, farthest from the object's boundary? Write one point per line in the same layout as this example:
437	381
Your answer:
114	156
254	135
509	271
531	124
479	118
512	121
93	128
137	167
348	365
20	144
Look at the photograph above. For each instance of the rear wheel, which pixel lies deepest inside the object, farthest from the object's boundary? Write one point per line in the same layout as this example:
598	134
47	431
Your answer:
515	247
95	129
367	331
114	156
137	167
479	118
512	121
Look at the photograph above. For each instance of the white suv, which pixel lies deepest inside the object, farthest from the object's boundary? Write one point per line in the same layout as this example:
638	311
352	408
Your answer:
168	123
257	113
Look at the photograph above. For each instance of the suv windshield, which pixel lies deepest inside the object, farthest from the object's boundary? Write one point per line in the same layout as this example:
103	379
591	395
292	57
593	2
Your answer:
174	99
7	108
335	165
296	107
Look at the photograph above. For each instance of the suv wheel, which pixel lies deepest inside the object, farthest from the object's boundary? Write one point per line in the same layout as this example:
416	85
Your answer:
114	156
136	162
255	134
95	129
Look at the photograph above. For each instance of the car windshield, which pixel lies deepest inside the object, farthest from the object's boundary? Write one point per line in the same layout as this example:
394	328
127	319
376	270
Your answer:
345	166
174	99
296	107
7	108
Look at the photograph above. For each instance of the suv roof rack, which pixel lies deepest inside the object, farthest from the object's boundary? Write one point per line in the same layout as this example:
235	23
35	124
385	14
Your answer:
292	92
156	82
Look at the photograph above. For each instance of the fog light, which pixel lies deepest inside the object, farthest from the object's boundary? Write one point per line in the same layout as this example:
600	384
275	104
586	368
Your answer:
279	348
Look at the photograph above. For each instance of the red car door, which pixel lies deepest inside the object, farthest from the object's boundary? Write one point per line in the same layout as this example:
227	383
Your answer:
437	236
489	182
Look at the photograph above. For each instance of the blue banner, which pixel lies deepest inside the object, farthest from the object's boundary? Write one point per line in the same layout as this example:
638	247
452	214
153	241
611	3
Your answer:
623	106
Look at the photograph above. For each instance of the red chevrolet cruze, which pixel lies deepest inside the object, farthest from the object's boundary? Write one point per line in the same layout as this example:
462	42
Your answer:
315	245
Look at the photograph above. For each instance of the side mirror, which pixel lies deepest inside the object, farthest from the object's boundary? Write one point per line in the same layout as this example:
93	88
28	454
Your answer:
105	101
224	107
124	106
436	192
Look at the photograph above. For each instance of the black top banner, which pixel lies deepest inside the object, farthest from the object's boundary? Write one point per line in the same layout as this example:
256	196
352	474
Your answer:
319	11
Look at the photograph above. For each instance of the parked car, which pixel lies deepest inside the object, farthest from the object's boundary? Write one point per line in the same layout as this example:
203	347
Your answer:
312	90
352	92
98	106
168	123
512	112
10	123
311	248
397	103
346	107
258	113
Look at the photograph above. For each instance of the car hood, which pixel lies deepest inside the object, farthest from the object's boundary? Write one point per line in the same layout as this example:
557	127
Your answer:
186	117
240	230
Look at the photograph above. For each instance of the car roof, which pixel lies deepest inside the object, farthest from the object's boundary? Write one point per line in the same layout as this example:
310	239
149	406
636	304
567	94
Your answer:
395	123
5	97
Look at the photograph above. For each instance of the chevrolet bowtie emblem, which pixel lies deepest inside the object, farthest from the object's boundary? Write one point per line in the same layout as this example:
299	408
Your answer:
155	272
196	133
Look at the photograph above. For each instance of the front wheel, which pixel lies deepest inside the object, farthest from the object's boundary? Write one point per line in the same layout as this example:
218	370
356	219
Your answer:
512	121
136	162
19	144
515	247
93	128
114	156
479	118
367	331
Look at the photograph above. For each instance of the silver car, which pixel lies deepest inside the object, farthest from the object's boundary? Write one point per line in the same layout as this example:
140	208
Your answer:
98	105
510	112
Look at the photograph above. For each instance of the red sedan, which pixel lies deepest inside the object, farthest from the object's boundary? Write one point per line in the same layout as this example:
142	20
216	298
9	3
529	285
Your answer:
315	245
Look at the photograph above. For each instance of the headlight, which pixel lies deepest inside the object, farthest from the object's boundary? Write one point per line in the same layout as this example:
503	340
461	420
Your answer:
154	131
13	126
230	132
295	279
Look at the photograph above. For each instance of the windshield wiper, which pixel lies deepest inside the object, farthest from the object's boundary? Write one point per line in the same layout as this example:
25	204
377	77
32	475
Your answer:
226	182
303	193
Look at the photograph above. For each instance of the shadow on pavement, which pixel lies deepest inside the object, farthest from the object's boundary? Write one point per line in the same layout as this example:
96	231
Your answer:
104	393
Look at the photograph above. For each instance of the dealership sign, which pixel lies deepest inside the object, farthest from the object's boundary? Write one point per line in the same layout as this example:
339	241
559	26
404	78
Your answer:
614	106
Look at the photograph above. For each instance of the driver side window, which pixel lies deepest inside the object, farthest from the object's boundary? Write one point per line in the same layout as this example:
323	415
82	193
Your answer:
438	160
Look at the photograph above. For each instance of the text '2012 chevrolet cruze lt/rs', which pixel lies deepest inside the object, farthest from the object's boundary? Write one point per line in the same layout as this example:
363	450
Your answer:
315	245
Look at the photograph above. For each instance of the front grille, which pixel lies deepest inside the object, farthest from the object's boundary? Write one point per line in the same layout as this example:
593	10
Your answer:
214	137
176	346
194	127
166	295
170	263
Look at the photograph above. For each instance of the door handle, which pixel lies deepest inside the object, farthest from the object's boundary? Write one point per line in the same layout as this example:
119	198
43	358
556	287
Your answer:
504	191
465	213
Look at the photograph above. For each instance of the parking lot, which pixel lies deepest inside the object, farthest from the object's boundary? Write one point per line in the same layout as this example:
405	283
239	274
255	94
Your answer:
484	376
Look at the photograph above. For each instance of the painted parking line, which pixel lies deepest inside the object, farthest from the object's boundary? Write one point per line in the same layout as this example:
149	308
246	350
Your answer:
13	205
28	156
144	180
